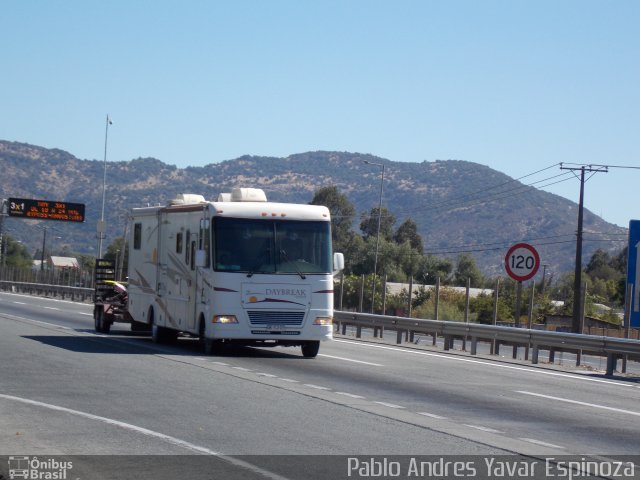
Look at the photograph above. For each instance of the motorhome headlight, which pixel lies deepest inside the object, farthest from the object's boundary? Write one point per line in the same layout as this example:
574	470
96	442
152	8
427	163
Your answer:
323	321
224	319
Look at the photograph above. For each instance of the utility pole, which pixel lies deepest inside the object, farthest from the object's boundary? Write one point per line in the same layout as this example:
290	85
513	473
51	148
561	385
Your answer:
577	284
3	241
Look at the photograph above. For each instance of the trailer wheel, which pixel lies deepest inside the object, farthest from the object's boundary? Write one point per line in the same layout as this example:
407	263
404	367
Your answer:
97	320
106	324
310	349
100	323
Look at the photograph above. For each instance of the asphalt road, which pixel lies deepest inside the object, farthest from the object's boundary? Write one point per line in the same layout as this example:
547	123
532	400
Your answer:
65	390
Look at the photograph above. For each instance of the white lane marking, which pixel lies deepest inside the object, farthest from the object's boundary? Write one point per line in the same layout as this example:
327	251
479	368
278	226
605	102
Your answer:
45	323
117	423
289	380
390	405
150	433
45	299
87	314
576	402
269	375
484	429
350	360
349	395
544	444
242	369
20	303
52	308
317	387
489	364
221	363
432	415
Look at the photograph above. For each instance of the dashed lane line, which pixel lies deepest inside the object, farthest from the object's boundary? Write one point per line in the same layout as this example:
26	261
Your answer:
150	433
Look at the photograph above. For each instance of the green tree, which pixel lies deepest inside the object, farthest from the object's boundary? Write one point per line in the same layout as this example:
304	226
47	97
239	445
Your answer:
16	254
482	308
369	224
342	216
466	268
408	232
429	268
352	292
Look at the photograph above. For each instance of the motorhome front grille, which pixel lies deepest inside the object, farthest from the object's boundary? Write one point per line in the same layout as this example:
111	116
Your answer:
275	332
269	317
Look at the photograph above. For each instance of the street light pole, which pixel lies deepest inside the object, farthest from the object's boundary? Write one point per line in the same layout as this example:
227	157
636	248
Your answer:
375	261
44	243
101	224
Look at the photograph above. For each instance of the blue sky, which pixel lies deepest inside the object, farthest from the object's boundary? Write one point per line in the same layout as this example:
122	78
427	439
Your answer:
515	85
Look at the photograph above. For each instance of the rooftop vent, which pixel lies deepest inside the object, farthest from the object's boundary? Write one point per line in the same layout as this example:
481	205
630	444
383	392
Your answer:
243	195
187	199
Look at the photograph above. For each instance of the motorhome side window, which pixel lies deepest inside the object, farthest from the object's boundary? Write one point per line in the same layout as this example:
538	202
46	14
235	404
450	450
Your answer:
137	236
179	243
187	250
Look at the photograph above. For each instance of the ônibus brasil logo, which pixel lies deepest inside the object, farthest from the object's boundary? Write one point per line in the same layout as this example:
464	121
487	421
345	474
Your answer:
38	469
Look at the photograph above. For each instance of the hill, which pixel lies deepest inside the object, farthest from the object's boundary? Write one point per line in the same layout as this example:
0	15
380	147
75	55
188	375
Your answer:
457	205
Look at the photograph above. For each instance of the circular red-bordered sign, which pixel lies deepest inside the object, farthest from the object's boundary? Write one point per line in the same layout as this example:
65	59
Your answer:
522	262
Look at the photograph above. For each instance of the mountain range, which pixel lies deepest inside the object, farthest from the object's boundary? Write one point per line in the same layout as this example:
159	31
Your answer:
458	206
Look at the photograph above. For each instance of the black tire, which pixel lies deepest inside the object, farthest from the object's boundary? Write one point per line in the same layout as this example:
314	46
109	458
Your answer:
310	349
212	347
156	331
161	334
99	321
209	345
106	324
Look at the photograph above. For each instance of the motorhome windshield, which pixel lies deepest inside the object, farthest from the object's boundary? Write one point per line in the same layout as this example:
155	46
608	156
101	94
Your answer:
271	246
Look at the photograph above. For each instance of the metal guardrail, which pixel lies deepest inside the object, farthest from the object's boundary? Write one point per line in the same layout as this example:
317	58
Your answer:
611	347
80	294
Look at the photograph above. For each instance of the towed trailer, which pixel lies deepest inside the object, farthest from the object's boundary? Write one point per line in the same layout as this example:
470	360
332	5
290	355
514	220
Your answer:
110	299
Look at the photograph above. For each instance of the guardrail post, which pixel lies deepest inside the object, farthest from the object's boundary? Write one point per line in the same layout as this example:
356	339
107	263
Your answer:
437	303
399	334
612	360
358	331
495	348
474	345
552	355
534	354
447	342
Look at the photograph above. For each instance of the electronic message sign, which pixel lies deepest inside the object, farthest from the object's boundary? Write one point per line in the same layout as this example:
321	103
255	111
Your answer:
45	210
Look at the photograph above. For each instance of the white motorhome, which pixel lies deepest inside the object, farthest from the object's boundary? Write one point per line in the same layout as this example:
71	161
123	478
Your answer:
239	270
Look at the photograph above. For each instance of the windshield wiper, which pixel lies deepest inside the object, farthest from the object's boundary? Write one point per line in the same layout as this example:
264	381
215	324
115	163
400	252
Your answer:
295	264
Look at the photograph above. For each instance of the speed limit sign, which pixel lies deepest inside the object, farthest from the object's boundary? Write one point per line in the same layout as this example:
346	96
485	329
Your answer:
522	262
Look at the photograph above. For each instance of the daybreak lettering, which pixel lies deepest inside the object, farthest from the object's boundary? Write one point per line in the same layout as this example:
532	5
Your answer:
296	292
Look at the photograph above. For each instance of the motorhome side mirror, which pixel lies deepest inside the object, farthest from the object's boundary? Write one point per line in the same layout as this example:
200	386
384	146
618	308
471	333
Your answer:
338	262
201	258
